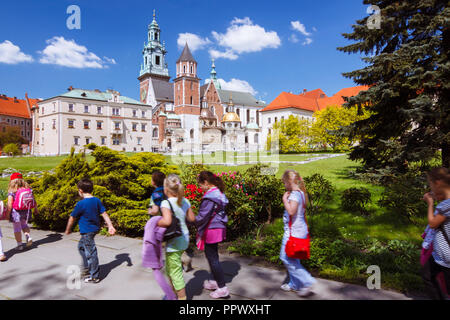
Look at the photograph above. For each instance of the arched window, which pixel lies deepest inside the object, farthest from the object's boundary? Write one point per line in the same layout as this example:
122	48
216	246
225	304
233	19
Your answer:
184	69
192	69
248	116
213	110
238	112
192	133
246	139
155	133
191	99
255	138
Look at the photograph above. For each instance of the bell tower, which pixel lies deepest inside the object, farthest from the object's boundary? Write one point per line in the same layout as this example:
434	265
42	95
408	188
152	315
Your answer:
153	66
187	85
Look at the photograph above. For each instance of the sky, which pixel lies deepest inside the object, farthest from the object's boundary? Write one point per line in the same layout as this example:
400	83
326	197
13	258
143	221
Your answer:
263	47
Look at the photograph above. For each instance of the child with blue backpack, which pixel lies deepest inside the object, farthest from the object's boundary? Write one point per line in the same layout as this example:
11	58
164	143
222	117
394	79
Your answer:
158	194
20	203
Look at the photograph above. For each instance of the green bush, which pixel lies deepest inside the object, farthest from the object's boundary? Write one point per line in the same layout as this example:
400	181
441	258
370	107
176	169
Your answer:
320	191
12	148
404	196
122	183
355	199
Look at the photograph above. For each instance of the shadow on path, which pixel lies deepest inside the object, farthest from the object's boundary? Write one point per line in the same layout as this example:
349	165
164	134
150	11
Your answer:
50	238
105	269
195	286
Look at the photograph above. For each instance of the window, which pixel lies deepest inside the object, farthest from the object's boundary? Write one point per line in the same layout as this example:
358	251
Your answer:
238	112
143	126
99	110
71	123
255	139
53	123
88	140
70	107
246	139
139	141
143	114
192	70
157	60
213	110
134	113
184	69
103	139
42	110
277	119
99	125
86	124
21	133
15	121
268	120
155	133
42	142
116	141
54	106
116	111
42	128
248	116
21	122
86	109
192	133
134	126
191	99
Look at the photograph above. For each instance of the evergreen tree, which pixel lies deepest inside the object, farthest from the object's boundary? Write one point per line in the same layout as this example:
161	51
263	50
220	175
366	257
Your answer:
408	69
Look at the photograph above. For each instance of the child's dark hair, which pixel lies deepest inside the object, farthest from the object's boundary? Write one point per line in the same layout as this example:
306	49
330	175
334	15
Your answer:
85	185
158	178
442	174
212	179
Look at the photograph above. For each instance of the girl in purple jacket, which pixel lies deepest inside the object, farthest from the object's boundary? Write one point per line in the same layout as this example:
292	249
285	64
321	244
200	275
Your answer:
211	223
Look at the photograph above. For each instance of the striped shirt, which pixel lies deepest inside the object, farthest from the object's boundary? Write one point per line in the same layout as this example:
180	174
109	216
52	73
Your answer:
441	248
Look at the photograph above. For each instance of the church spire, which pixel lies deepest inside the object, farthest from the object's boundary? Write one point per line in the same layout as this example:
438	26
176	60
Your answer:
214	76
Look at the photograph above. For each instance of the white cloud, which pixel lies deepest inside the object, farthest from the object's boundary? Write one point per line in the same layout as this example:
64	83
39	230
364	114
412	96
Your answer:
293	38
307	41
228	54
11	54
244	36
68	53
314	29
297	25
194	41
235	85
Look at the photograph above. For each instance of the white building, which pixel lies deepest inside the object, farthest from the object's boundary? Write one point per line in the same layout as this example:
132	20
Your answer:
79	117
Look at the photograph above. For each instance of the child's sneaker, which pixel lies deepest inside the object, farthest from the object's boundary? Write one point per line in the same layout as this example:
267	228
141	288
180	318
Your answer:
220	293
29	241
286	287
91	280
304	292
20	247
210	285
3	258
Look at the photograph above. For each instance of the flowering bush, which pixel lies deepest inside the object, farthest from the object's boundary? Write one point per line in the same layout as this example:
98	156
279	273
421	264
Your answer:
194	194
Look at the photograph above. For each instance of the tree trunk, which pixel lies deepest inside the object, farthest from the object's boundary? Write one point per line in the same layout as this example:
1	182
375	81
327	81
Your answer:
269	211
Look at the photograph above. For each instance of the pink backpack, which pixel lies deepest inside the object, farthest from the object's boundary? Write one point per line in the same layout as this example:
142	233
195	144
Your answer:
24	200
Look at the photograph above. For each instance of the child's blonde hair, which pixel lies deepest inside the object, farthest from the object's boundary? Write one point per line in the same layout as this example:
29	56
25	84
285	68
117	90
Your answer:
173	184
291	175
16	184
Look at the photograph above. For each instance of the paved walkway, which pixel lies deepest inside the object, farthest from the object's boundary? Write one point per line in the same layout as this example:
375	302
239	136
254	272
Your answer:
42	273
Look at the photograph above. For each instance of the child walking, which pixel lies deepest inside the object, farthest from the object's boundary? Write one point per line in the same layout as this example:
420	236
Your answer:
158	194
295	199
178	206
211	222
20	217
88	211
439	220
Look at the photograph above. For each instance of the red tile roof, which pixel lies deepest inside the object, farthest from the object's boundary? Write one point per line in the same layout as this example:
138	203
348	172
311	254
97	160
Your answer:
16	107
312	100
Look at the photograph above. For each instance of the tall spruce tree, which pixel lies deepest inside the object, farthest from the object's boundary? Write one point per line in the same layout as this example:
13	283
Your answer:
408	71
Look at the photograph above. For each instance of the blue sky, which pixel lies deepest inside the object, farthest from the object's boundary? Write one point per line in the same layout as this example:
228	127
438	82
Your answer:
262	45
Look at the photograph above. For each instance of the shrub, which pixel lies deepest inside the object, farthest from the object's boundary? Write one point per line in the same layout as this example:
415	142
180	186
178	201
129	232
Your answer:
355	199
404	196
122	183
11	148
320	191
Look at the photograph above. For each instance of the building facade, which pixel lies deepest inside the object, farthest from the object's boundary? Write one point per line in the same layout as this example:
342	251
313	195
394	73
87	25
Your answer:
79	117
188	117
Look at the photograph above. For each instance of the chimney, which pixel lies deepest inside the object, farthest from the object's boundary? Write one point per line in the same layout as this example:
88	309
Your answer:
70	88
97	90
304	91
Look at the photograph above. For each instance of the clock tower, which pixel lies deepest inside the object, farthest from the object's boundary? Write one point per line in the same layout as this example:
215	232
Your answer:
154	72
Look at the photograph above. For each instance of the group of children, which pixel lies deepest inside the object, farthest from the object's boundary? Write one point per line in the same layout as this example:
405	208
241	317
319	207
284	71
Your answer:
171	213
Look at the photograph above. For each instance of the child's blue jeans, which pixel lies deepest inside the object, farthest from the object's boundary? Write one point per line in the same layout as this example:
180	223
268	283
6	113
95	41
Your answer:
88	252
299	277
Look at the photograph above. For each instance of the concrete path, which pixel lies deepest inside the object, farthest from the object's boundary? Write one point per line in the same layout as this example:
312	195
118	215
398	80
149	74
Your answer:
42	273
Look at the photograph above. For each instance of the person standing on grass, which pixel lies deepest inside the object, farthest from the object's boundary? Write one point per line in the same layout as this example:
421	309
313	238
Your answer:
439	220
295	199
88	211
176	205
211	222
20	196
158	194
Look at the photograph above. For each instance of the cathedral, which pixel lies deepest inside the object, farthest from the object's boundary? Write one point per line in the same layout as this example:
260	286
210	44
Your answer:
188	117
